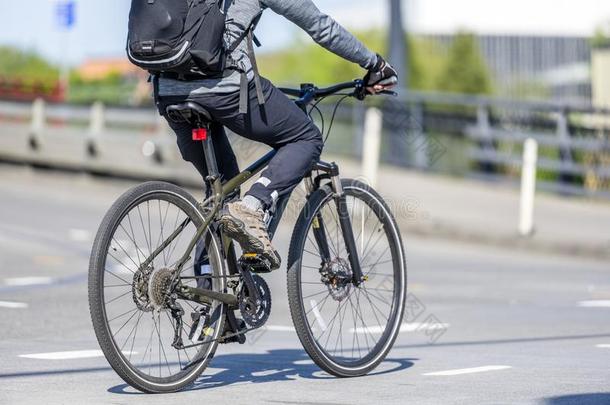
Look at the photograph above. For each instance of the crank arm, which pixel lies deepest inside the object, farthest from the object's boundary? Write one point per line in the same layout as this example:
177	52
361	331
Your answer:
202	296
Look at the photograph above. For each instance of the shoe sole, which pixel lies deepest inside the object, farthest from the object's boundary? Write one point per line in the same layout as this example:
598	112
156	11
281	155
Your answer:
236	229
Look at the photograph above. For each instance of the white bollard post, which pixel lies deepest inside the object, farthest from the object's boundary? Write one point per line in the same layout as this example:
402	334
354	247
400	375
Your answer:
38	116
528	187
97	121
37	124
371	145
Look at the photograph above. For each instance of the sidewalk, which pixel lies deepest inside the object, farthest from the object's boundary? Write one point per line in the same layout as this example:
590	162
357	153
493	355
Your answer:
432	205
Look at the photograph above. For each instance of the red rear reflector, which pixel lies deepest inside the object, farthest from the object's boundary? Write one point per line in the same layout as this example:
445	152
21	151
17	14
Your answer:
200	134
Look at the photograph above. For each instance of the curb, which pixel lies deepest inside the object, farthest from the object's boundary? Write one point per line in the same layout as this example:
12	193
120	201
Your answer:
528	244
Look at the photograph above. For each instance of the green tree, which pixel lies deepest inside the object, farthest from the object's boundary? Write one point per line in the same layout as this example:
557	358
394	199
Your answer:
26	65
308	62
465	70
601	38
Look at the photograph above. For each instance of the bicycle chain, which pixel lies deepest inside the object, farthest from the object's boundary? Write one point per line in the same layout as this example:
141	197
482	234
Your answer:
230	335
224	337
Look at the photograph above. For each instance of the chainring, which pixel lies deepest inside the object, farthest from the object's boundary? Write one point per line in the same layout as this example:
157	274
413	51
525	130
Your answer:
255	313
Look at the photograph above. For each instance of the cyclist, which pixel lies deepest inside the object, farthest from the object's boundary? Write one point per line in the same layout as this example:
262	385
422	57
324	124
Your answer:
268	117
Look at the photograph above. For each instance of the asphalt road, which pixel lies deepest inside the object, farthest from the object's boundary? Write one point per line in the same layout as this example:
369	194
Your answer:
510	327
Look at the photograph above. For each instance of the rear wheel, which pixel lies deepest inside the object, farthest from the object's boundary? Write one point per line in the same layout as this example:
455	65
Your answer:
347	330
133	324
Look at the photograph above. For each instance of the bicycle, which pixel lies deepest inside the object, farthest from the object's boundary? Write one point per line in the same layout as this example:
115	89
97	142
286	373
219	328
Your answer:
142	281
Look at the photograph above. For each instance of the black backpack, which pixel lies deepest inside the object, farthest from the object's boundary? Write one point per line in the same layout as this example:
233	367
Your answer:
177	36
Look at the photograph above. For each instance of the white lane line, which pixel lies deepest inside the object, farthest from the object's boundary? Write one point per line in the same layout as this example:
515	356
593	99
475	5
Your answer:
279	328
23	281
79	235
595	304
78	354
405	327
460	371
603	346
13	305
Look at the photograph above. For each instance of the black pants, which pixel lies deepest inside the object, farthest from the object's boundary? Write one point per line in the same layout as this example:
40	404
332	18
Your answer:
279	124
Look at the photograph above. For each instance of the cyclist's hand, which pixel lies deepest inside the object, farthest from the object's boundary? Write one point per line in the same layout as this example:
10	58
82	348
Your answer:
381	77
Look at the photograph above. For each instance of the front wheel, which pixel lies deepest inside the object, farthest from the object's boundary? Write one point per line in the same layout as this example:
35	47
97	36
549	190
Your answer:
347	330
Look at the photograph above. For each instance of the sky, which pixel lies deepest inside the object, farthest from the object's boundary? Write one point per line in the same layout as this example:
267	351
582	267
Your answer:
101	25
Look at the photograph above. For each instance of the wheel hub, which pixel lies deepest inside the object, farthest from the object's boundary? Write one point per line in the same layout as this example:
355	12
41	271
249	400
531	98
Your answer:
337	276
151	288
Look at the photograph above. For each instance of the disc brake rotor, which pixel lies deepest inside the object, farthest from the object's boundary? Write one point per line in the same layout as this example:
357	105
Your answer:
337	276
139	288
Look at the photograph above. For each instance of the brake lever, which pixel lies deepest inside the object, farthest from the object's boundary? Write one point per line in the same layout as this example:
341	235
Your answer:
388	93
360	91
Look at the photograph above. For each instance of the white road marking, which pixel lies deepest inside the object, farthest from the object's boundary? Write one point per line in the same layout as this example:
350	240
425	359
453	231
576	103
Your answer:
79	354
13	305
595	304
279	328
603	346
460	371
79	235
22	281
303	362
318	315
405	327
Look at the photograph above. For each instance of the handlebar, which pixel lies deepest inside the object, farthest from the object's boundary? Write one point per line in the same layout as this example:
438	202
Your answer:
309	92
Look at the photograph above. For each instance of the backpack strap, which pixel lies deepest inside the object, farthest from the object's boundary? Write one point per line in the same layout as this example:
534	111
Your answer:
257	77
248	35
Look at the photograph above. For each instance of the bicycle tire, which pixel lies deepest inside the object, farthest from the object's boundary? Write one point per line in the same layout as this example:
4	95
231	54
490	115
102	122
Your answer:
320	357
110	349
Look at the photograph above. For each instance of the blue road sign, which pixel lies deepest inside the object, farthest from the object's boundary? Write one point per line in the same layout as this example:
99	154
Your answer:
65	12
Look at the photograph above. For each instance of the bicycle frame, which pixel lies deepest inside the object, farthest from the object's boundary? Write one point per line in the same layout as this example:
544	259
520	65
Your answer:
220	191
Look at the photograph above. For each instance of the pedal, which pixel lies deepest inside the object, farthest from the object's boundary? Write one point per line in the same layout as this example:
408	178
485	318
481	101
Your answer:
255	263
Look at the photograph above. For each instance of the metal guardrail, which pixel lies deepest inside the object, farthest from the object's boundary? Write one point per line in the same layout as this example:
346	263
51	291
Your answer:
574	139
580	163
134	143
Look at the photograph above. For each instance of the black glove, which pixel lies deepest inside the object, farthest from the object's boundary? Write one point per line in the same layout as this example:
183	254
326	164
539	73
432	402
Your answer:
381	74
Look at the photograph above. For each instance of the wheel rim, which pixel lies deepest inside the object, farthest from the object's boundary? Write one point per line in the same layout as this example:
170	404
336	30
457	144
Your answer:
142	337
351	327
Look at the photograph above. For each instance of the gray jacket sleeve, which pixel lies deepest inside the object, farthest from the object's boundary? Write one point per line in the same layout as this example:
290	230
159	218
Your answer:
324	30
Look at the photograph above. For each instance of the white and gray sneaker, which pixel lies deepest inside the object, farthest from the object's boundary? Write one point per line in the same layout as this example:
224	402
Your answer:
248	228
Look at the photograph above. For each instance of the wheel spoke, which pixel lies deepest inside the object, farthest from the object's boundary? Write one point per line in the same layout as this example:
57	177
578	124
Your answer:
139	231
358	311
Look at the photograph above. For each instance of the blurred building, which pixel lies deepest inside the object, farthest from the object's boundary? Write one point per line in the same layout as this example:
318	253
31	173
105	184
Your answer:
100	68
549	67
135	79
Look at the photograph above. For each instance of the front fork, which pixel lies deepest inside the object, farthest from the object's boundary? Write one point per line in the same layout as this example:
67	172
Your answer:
319	230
